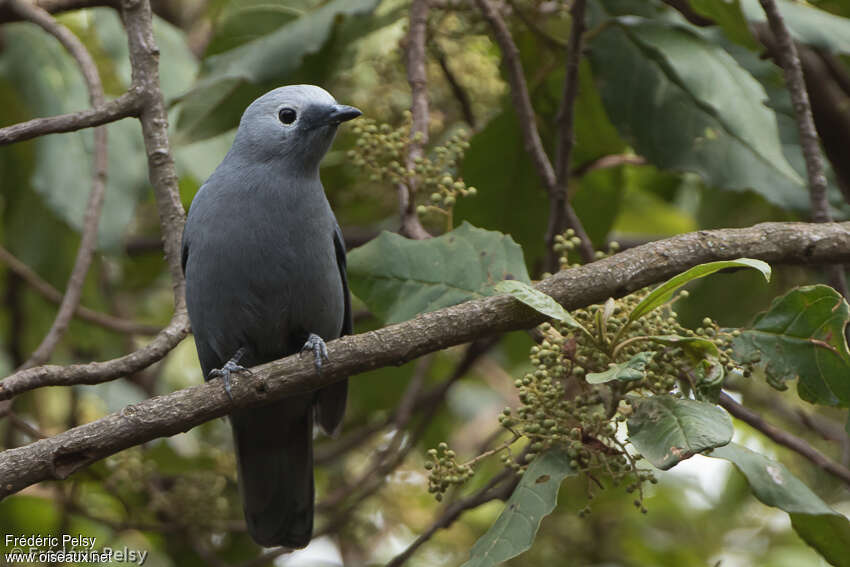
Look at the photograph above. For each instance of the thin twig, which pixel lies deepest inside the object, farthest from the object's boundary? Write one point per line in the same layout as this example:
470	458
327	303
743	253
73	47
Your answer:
499	487
50	293
604	162
616	276
99	372
126	105
809	141
561	214
418	81
52	6
88	241
457	89
785	439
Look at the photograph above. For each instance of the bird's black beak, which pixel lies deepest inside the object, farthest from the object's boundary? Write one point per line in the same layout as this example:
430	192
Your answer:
341	113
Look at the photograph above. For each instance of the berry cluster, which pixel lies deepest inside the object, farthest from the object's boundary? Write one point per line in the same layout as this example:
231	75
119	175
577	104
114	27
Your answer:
561	408
383	151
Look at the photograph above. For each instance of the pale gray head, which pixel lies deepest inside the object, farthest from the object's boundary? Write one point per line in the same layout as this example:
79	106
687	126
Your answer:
292	126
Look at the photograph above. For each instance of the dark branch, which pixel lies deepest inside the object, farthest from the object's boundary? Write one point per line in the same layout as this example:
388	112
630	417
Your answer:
499	487
561	213
809	141
784	438
61	455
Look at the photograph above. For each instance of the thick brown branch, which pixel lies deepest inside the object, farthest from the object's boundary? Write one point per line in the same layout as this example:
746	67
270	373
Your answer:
88	240
128	104
784	438
418	81
52	294
61	455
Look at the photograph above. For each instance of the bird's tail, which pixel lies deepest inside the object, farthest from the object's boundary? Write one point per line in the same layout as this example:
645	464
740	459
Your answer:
274	448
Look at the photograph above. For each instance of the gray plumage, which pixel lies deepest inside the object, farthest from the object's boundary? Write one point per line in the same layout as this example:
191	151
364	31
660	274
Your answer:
264	262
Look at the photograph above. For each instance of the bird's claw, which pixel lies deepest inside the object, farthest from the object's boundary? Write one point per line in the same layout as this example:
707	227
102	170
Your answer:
319	348
224	373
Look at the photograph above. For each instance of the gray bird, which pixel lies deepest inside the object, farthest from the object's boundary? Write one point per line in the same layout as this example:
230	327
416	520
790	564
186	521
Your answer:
264	262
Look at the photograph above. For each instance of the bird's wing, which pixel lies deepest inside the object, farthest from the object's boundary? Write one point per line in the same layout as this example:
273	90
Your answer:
339	246
330	401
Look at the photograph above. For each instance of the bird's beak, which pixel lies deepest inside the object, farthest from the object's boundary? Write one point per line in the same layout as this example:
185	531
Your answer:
341	113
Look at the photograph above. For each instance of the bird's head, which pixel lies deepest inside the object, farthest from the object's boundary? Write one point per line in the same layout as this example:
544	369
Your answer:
292	126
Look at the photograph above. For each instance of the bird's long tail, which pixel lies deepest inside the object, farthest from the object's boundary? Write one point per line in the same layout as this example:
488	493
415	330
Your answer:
274	449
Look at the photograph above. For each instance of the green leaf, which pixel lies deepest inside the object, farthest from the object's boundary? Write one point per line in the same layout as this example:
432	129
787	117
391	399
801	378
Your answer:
399	278
632	369
667	91
246	20
816	523
718	85
668	430
802	336
232	79
663	293
807	24
534	497
538	300
728	16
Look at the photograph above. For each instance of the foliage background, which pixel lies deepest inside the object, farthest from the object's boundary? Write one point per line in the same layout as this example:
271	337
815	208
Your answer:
680	108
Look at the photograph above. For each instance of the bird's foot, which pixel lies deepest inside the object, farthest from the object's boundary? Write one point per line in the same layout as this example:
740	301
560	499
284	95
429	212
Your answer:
229	367
319	348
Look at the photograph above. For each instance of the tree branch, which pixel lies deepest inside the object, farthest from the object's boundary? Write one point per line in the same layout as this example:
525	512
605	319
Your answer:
88	240
785	439
418	81
499	487
98	372
615	276
144	60
561	213
809	141
7	14
50	293
128	104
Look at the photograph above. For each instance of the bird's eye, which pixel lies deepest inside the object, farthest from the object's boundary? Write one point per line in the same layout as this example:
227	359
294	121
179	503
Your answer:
287	115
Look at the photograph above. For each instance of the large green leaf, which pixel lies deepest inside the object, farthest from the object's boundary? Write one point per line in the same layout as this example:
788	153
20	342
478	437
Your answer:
819	525
668	430
534	497
802	336
663	293
50	83
807	24
232	79
717	84
632	369
399	278
686	105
